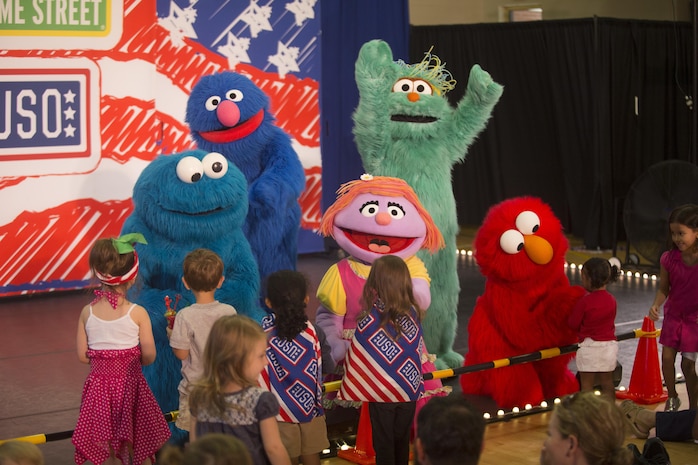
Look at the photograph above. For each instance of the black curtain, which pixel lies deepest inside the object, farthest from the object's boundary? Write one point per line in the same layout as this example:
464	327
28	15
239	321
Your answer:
566	128
346	26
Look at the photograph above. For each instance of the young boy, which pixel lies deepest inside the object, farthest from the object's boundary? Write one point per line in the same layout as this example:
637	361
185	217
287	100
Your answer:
203	274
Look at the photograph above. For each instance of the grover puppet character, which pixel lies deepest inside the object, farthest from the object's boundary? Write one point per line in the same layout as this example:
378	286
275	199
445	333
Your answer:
405	127
521	250
182	202
229	114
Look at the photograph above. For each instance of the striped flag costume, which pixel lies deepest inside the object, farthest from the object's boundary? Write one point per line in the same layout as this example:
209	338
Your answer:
381	367
293	373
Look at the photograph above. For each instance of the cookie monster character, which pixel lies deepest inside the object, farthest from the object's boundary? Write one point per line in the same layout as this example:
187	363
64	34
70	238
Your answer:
521	248
405	127
182	202
229	114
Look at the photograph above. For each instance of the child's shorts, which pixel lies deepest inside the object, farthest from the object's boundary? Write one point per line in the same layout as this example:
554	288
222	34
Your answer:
597	356
184	416
304	438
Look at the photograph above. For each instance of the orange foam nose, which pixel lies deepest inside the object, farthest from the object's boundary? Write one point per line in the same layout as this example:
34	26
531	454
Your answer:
538	249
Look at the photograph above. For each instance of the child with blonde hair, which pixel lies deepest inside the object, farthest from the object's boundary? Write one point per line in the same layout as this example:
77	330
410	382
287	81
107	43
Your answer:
227	399
20	453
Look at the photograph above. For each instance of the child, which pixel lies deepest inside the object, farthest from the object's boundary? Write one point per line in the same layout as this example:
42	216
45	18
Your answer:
212	449
227	398
294	371
119	417
593	318
20	453
678	291
203	274
383	363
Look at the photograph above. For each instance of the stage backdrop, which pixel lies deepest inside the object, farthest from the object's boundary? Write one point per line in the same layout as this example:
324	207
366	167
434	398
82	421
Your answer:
92	91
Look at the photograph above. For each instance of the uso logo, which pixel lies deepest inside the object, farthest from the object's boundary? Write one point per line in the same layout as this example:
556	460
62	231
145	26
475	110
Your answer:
49	123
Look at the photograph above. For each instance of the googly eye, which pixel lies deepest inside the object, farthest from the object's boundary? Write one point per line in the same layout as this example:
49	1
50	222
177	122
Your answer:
395	211
403	85
511	241
190	170
369	209
215	165
422	87
212	102
234	95
527	222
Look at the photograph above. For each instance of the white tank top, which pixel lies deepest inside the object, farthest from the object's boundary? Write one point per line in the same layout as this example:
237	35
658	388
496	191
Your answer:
121	333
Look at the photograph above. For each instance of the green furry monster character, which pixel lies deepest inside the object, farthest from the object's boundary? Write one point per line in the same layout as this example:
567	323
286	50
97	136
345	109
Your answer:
404	127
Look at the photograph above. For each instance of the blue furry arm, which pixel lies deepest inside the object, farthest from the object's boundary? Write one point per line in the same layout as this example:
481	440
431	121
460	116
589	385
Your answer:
278	187
241	285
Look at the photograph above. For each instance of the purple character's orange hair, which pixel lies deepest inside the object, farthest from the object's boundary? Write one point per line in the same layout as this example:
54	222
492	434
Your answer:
388	187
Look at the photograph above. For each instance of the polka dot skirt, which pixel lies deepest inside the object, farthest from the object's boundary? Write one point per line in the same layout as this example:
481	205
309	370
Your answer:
118	411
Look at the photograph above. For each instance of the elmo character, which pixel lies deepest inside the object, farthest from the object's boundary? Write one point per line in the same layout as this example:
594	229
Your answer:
521	250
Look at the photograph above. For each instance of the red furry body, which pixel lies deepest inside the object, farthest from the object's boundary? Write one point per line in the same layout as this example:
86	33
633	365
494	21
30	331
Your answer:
521	251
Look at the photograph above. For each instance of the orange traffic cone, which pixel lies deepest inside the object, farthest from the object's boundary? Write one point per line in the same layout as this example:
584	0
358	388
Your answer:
646	379
363	452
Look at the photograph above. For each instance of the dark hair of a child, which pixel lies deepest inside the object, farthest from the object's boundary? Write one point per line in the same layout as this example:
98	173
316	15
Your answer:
105	259
600	272
686	215
389	283
202	270
287	292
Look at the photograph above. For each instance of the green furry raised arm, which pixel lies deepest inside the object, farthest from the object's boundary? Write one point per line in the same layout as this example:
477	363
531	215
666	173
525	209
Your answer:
405	127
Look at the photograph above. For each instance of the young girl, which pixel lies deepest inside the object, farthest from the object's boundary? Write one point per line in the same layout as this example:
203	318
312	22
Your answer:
295	367
227	398
383	363
593	318
678	291
119	418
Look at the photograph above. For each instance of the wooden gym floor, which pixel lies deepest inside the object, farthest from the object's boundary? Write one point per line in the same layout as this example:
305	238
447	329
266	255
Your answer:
41	378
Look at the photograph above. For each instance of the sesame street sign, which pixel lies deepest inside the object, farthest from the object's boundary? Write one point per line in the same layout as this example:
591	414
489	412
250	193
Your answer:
30	22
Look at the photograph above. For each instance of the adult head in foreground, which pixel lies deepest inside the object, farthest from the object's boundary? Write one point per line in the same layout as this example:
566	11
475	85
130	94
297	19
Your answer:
585	429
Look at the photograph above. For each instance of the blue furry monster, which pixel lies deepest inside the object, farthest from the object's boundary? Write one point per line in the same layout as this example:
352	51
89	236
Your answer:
404	127
182	202
229	114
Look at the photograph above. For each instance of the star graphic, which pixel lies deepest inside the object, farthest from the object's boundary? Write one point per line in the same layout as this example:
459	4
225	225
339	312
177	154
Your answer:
69	97
69	113
303	9
70	131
